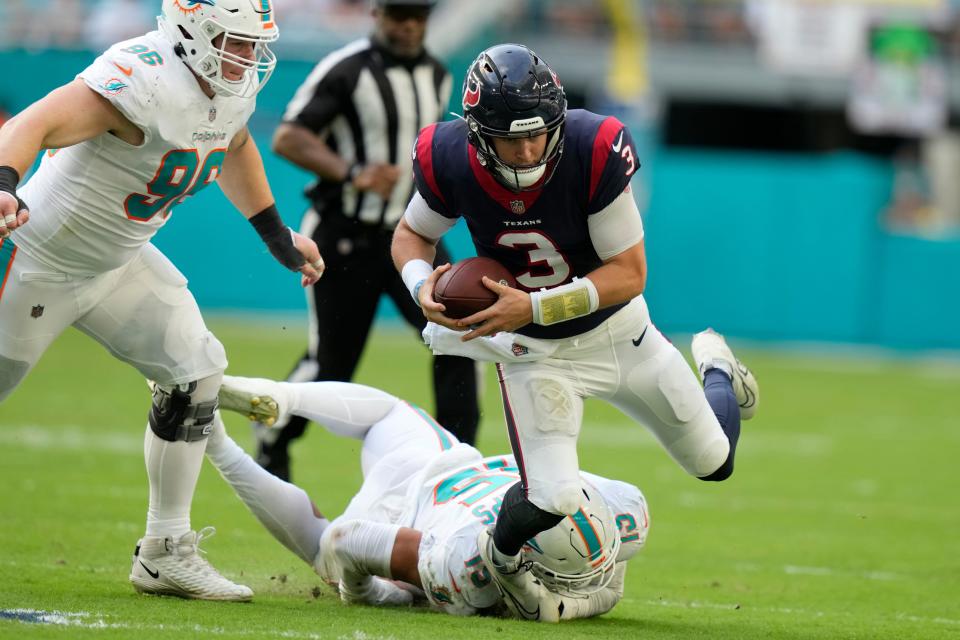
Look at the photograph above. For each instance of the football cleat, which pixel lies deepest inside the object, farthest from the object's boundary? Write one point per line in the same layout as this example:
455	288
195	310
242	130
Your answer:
710	351
168	567
524	595
260	400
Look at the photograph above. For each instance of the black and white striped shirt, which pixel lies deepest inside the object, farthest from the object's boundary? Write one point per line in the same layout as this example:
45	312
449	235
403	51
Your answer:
368	106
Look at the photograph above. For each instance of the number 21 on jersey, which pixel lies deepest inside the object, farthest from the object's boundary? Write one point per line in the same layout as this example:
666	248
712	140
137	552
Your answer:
176	180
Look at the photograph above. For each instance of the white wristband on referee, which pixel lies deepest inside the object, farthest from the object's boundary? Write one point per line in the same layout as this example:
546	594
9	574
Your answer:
572	300
413	274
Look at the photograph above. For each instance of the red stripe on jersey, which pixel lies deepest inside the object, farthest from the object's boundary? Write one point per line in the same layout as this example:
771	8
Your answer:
499	192
602	145
425	158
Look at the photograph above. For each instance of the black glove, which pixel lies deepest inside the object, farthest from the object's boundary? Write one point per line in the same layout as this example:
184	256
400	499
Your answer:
9	179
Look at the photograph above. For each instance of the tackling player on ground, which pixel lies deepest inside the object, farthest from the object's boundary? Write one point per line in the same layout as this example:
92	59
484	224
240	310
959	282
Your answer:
149	123
425	498
546	192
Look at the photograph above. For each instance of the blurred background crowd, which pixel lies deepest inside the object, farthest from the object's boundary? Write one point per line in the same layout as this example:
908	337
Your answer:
816	138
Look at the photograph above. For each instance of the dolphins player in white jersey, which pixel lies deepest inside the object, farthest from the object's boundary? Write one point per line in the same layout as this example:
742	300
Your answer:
412	530
149	123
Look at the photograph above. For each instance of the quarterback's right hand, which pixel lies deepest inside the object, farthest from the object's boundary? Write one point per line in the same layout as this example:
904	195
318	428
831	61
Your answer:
432	309
13	213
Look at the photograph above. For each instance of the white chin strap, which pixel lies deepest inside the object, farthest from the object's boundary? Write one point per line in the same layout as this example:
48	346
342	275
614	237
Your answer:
524	177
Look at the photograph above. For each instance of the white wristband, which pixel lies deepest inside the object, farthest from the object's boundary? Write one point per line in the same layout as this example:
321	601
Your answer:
413	274
572	300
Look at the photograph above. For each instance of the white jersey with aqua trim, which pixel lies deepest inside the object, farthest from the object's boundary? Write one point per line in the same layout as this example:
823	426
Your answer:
453	506
93	205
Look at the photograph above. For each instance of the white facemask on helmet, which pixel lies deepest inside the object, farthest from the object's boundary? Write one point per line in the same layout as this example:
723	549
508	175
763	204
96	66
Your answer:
193	25
578	556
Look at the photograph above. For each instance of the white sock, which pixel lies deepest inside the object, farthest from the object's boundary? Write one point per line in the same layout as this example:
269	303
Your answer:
343	408
285	510
172	470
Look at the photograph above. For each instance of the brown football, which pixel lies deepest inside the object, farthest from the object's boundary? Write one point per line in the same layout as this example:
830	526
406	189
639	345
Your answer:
461	288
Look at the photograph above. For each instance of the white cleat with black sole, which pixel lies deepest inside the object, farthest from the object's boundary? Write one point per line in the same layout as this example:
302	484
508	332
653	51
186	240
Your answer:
168	567
260	400
523	594
710	351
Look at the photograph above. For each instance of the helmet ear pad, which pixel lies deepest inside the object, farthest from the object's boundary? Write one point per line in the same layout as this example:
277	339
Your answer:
486	152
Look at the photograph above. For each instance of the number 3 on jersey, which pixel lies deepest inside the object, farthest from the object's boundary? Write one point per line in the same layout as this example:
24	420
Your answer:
176	180
542	256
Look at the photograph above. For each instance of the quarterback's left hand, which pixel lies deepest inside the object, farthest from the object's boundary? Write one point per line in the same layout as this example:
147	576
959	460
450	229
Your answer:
510	312
313	268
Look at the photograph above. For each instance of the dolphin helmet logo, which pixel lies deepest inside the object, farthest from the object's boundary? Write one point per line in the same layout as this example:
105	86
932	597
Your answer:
192	6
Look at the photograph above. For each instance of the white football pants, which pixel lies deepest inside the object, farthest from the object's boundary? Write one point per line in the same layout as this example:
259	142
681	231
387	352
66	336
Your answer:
627	362
141	312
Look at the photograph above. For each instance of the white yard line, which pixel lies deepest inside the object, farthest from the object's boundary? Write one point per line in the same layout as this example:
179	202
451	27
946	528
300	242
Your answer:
71	437
77	568
827	571
87	620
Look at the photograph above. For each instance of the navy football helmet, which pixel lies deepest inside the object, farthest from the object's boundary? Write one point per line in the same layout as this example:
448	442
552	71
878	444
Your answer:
511	92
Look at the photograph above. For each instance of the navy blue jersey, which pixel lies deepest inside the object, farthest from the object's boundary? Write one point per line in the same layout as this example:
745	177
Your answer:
540	236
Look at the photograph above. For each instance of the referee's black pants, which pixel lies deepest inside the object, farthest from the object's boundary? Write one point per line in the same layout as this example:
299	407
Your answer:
342	306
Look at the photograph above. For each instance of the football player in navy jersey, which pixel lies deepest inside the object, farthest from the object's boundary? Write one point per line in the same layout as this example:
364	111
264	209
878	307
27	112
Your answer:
546	192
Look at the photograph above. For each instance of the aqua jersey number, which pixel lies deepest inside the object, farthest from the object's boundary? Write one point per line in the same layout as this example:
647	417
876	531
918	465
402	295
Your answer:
176	180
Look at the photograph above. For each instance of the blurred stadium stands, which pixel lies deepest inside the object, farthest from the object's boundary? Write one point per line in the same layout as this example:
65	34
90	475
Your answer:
809	148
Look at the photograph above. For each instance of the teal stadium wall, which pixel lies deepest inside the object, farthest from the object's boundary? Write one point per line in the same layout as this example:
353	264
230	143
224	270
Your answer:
759	245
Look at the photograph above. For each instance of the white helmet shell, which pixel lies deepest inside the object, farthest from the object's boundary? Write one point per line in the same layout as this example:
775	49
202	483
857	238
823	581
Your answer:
578	555
192	26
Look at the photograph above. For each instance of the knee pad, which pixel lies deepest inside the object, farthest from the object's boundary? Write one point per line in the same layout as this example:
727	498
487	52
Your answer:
185	412
713	458
723	472
553	401
566	501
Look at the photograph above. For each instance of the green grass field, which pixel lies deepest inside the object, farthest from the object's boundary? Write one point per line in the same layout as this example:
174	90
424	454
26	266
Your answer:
842	520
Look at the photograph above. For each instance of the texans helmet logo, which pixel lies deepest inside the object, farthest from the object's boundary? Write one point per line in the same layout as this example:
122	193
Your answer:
471	96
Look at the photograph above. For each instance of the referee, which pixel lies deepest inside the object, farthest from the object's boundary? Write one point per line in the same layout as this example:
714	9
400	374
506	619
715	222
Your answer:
352	124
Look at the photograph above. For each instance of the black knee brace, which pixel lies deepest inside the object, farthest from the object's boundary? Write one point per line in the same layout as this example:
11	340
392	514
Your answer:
172	409
520	520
